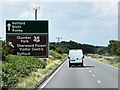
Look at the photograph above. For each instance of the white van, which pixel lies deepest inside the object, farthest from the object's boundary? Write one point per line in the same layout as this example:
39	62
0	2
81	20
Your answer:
76	57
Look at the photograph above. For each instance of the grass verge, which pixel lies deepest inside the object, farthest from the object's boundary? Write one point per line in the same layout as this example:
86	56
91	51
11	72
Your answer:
114	62
37	76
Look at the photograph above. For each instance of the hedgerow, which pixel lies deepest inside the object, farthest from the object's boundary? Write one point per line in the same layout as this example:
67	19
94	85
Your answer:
6	49
55	54
17	67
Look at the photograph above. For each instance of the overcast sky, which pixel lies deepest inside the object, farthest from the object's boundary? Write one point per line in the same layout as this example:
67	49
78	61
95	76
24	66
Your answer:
85	22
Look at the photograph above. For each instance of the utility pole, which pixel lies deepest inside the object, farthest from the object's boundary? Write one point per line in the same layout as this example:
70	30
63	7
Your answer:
36	8
58	38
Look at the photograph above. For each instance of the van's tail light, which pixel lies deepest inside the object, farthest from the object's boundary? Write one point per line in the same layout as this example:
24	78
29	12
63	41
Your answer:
82	58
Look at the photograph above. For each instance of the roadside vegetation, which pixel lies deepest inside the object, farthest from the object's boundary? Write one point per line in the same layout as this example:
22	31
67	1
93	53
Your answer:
63	47
36	77
114	61
110	56
17	67
24	71
113	49
95	52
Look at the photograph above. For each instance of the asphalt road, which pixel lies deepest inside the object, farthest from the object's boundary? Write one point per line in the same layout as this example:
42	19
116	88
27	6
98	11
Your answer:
94	74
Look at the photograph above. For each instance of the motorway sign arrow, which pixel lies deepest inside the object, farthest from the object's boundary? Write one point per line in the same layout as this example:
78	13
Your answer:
9	25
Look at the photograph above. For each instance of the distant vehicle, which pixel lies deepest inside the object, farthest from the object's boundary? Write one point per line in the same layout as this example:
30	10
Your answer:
76	57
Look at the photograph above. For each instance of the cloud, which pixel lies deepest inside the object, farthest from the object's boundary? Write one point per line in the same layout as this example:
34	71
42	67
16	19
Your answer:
105	8
110	24
58	0
29	12
24	14
33	5
77	21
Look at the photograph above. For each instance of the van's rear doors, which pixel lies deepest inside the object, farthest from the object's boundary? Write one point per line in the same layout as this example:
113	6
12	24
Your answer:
76	56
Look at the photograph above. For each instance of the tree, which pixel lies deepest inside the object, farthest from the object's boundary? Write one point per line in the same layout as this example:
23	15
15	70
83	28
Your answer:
6	49
114	47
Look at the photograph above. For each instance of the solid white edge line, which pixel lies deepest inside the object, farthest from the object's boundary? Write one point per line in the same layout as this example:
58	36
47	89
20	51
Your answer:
104	63
51	76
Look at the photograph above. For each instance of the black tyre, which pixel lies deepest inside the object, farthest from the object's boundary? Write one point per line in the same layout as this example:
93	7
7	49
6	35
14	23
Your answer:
69	65
82	65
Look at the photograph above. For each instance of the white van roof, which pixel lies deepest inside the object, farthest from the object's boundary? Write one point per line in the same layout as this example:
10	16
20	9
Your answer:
76	50
76	53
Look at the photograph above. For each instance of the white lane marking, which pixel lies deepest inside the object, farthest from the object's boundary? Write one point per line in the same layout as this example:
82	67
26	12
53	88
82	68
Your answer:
89	71
98	81
52	76
93	75
104	63
87	68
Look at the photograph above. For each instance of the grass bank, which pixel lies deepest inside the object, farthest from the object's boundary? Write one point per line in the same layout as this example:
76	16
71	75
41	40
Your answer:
114	62
36	77
28	71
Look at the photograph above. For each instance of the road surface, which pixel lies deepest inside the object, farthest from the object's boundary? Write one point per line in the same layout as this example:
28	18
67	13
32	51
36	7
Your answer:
94	74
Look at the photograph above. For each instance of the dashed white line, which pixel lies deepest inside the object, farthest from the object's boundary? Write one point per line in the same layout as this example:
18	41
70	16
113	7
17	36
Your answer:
98	81
93	75
87	68
89	71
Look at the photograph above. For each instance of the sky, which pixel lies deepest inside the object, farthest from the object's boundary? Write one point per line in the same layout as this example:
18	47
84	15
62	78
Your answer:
86	22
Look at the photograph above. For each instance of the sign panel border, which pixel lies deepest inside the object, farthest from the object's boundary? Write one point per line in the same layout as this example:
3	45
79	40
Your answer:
47	35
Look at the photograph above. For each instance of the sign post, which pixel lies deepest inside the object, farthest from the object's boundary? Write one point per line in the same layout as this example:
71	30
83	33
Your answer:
28	38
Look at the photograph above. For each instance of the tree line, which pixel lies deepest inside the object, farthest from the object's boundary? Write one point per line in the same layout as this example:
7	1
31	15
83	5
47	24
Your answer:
63	47
113	48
